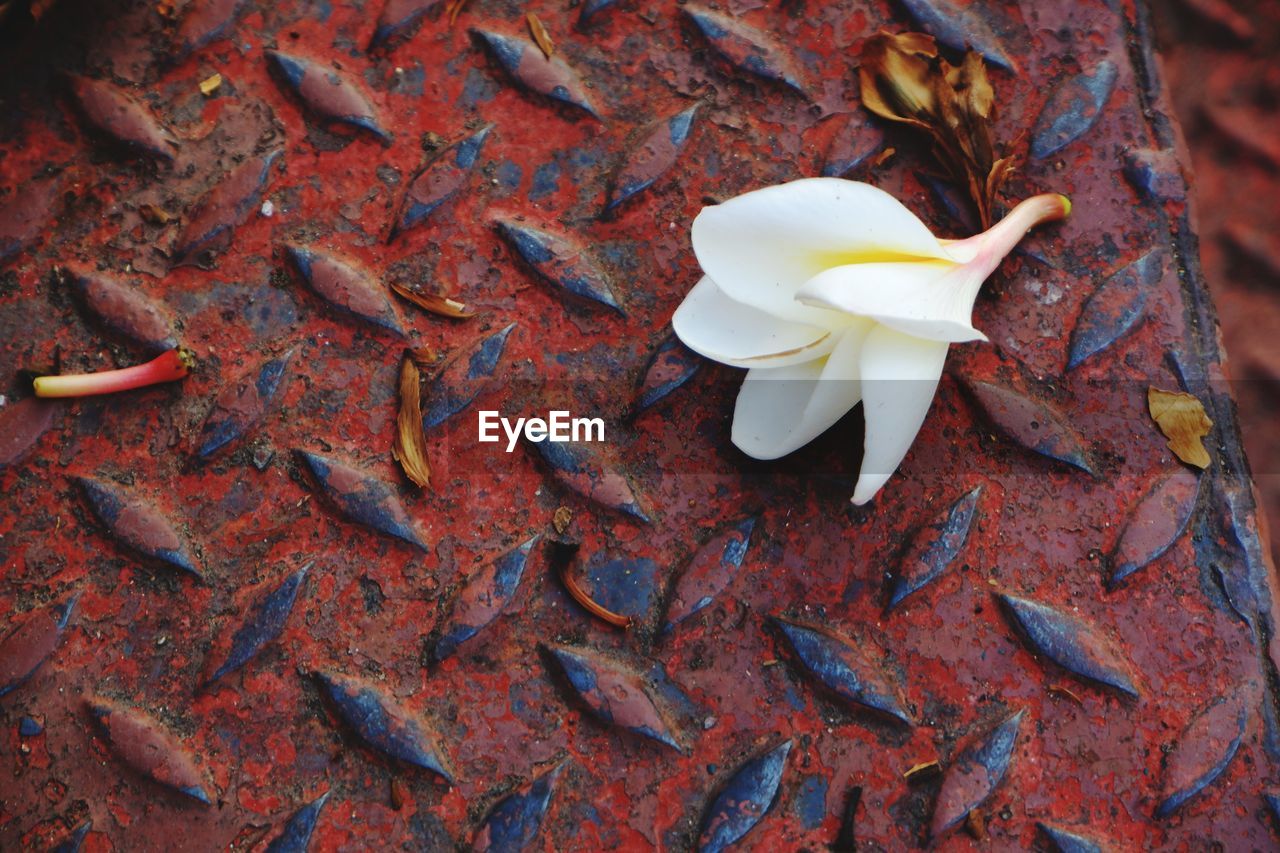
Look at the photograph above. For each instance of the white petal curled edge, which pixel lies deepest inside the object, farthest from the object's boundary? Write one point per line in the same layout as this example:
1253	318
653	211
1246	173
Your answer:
713	325
762	246
926	299
782	409
900	374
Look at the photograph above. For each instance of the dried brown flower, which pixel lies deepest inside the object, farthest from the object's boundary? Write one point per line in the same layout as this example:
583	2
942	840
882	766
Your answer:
904	80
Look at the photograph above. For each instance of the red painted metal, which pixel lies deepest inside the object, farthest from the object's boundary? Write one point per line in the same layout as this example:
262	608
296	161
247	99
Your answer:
971	595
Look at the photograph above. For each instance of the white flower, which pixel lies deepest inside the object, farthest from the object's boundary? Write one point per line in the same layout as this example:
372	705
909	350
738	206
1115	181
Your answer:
831	292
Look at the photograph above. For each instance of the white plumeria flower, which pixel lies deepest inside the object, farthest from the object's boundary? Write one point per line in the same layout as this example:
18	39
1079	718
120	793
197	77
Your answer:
832	293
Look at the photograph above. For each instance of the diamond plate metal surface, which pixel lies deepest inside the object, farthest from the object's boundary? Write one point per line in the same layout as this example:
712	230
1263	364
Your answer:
230	621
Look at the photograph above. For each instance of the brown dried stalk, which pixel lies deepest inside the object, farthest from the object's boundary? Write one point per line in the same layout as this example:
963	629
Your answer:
410	445
590	605
904	80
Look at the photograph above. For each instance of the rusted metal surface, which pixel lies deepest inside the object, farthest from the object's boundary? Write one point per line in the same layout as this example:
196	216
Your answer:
225	589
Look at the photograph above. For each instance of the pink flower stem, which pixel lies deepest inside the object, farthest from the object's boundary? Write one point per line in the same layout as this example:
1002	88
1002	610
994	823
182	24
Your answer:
999	240
169	366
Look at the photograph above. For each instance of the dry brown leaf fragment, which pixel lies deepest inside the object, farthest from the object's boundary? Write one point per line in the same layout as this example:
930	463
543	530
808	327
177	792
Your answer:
154	215
454	9
540	34
441	305
210	84
410	445
1181	418
903	79
561	519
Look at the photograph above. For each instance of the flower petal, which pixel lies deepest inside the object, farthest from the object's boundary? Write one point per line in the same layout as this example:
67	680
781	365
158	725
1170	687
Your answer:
782	409
761	246
713	325
900	374
926	299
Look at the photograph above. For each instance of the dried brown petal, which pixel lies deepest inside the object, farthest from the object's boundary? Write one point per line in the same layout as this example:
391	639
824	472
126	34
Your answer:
971	84
966	104
540	34
441	305
904	80
895	77
410	446
1181	418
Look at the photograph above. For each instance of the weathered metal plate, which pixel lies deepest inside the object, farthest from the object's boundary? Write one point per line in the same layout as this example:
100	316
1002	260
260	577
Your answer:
410	687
